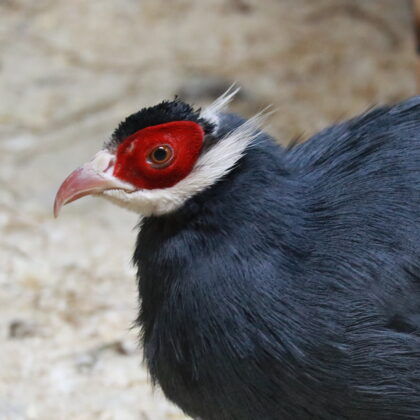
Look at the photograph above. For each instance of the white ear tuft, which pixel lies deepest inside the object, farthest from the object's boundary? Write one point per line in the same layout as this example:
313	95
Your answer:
210	113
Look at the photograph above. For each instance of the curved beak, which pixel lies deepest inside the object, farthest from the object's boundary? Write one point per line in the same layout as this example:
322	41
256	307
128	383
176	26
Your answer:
93	177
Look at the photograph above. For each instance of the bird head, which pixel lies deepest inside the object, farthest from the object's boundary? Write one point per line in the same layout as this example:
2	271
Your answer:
161	156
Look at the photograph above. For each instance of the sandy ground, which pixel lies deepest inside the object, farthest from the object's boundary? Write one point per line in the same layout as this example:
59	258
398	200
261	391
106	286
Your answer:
69	71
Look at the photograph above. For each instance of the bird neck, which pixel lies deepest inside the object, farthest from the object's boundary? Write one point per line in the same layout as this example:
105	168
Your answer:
211	249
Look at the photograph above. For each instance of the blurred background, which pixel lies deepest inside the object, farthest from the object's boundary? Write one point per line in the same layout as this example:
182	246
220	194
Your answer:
69	72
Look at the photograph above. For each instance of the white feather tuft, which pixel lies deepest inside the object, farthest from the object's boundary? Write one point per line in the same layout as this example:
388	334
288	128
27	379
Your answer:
211	112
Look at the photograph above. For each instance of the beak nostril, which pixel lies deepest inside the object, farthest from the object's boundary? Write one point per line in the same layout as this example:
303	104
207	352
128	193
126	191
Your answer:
110	167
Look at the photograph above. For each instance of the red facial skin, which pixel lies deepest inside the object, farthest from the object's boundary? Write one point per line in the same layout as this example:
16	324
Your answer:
133	154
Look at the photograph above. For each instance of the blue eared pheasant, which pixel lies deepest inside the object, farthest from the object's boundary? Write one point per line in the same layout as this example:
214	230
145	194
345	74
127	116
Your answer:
274	283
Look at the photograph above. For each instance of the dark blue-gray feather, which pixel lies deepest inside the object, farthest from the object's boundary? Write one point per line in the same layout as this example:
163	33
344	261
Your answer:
291	288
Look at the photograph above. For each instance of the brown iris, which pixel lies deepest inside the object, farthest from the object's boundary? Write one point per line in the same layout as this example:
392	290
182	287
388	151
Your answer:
161	156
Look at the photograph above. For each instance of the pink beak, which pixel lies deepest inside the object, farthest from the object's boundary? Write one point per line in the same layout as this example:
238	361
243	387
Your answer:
93	177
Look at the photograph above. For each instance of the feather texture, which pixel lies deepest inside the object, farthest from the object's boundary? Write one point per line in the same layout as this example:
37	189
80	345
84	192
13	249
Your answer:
290	288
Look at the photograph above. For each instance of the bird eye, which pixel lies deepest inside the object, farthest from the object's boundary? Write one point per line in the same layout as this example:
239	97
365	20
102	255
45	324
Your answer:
161	156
